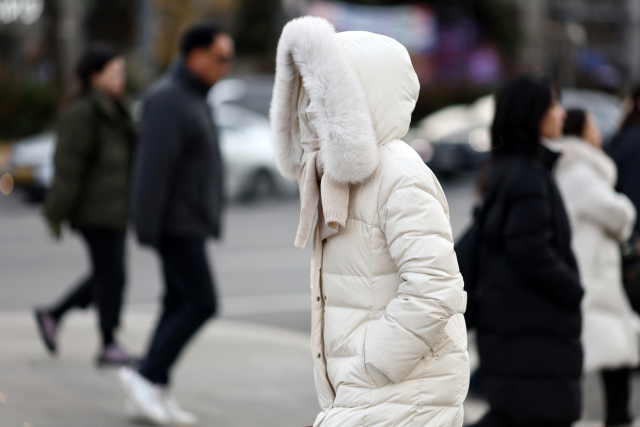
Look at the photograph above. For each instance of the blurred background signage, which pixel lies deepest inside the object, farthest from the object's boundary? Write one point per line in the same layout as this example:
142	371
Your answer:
461	49
449	52
415	26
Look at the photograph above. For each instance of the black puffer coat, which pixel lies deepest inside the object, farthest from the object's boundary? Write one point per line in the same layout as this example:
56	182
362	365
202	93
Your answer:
529	319
625	151
90	188
178	175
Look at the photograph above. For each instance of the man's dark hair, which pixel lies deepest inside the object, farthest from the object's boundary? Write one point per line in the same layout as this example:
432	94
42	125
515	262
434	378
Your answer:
200	35
575	121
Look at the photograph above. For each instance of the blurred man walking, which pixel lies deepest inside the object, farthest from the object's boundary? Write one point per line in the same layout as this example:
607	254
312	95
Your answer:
177	204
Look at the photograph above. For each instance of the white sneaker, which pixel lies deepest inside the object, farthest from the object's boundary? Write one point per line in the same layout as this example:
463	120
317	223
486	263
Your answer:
145	396
178	415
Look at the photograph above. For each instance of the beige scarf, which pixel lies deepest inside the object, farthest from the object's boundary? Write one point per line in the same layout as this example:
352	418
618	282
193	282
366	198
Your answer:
318	193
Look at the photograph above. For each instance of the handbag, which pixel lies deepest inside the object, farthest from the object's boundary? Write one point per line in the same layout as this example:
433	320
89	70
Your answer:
467	247
630	252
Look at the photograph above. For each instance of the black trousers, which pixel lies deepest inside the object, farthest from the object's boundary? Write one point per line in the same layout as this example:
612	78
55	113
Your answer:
189	300
496	419
617	388
105	285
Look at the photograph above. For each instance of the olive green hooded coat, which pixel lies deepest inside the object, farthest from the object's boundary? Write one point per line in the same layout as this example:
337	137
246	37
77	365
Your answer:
92	162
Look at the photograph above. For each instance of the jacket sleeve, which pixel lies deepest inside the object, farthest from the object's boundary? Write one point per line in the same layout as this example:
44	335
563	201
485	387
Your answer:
528	236
158	151
75	148
590	197
414	220
626	154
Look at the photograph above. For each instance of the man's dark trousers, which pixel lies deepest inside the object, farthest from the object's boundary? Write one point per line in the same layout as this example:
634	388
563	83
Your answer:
189	301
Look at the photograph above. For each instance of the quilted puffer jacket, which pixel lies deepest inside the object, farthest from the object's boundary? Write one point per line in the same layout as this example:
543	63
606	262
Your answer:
600	220
388	336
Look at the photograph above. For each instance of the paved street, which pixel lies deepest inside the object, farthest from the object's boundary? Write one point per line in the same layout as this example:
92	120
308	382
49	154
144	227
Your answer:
261	276
265	321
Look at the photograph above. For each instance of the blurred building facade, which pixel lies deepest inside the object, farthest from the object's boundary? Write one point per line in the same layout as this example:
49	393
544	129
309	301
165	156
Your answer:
586	43
460	48
41	41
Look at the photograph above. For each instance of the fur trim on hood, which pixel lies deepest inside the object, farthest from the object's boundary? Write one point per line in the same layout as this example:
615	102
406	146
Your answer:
309	48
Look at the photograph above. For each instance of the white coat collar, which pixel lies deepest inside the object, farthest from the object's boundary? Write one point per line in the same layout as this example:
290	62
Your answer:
575	149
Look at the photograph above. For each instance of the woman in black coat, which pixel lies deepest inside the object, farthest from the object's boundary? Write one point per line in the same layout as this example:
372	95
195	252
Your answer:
625	151
528	291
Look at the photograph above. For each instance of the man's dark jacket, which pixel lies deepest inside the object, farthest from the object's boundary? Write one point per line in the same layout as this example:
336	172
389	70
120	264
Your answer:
91	185
529	320
625	151
178	175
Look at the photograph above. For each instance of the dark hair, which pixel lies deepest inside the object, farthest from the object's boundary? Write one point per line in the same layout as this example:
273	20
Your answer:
520	107
93	61
575	121
200	35
634	115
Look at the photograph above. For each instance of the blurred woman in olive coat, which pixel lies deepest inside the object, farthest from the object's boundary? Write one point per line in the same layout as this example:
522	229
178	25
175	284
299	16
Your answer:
90	191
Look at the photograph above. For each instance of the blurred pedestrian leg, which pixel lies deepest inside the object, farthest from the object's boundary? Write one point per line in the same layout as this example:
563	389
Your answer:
189	301
90	191
617	386
104	286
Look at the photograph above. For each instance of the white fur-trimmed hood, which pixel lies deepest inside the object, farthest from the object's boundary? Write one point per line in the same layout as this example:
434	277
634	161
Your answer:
344	78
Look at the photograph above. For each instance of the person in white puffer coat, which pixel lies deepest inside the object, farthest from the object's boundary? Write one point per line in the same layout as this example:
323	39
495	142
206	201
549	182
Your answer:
388	335
601	219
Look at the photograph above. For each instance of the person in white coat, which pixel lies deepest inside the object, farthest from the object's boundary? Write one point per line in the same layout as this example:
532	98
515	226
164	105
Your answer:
388	335
601	219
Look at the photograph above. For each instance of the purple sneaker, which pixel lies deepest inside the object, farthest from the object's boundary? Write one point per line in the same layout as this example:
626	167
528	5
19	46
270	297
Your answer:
115	355
48	327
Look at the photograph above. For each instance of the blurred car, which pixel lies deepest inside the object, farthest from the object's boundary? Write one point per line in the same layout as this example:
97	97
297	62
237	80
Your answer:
242	107
245	142
457	118
30	163
251	92
459	136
